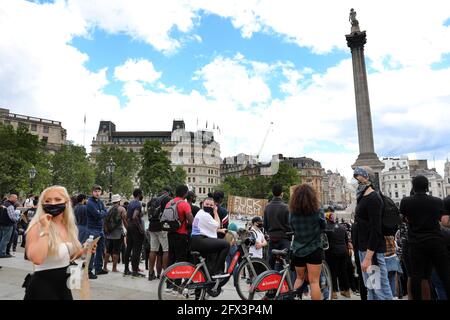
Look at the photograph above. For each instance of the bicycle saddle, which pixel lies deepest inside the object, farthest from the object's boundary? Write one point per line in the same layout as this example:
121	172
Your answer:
195	254
282	253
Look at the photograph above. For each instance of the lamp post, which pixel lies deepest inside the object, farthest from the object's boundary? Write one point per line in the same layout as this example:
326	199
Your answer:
32	173
110	167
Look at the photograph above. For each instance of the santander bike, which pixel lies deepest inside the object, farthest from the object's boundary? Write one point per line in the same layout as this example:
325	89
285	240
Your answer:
279	285
186	281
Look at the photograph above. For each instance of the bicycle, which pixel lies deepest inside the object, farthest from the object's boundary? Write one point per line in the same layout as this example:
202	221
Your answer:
184	280
279	285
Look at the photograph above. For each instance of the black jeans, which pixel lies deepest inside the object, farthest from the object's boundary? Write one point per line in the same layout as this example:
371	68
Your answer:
338	268
431	252
177	247
215	251
279	245
135	240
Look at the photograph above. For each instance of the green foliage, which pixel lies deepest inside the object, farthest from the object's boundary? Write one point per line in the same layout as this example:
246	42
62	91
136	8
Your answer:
156	170
72	169
125	170
20	151
287	176
177	177
261	186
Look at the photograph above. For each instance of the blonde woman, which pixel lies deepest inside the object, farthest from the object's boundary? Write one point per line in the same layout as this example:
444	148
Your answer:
51	244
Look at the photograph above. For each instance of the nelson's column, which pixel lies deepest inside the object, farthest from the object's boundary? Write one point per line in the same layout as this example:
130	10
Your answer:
367	156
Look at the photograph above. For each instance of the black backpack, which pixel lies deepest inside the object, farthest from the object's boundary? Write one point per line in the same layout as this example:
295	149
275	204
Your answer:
154	208
390	217
113	220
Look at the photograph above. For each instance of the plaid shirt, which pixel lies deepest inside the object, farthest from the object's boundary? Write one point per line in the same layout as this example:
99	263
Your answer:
390	246
307	230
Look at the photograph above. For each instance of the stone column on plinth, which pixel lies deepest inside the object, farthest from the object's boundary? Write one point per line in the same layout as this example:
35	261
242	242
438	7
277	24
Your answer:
367	156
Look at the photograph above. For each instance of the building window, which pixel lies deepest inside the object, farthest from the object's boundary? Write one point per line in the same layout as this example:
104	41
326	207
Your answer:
395	177
439	185
403	185
46	129
189	179
45	139
193	179
402	177
395	185
193	170
189	170
396	194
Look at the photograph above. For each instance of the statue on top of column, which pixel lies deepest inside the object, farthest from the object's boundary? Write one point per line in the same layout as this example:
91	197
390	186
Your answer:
352	17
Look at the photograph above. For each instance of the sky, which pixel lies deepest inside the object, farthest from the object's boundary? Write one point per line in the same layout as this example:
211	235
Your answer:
237	65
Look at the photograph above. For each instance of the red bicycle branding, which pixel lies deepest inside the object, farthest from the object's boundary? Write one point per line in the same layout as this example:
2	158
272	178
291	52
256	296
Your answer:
233	262
183	272
272	282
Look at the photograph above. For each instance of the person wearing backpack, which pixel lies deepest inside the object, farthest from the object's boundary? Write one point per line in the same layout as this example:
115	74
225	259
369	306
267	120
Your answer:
423	214
370	240
175	221
113	226
158	237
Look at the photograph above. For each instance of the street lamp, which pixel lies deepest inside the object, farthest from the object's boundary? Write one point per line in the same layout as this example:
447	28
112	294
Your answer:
110	167
32	173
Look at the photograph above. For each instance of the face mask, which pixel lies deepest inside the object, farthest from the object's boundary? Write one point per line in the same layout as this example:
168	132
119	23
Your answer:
54	209
209	210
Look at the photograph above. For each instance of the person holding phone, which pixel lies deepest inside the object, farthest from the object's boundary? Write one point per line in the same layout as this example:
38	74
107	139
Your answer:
51	244
205	227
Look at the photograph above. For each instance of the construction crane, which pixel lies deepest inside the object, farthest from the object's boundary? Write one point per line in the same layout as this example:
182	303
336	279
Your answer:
264	142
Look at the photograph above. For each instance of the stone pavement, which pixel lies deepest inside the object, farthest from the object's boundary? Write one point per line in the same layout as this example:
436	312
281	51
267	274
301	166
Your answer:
112	286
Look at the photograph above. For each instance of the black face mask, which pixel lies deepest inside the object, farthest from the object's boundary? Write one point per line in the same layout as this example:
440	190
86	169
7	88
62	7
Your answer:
209	210
54	209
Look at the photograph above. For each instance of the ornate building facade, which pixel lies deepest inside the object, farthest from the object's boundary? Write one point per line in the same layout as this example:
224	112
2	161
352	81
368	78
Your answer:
196	152
50	131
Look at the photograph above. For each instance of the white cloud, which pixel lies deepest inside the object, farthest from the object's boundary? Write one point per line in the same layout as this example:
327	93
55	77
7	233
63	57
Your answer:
410	35
41	75
229	80
148	21
137	70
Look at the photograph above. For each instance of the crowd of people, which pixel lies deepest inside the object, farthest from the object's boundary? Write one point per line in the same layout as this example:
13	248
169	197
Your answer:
409	258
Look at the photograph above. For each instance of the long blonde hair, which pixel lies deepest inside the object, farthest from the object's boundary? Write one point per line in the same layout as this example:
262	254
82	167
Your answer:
68	221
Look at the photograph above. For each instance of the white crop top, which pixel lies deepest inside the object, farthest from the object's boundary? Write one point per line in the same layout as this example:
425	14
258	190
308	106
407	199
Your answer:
59	261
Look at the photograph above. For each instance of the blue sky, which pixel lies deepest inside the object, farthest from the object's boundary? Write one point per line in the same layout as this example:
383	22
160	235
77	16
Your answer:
238	64
218	38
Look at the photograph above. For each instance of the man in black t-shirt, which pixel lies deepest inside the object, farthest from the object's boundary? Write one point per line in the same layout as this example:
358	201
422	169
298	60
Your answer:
158	238
423	214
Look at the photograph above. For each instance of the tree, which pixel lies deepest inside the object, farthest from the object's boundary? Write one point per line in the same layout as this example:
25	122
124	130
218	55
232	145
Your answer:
72	169
126	168
21	151
177	177
287	176
156	170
